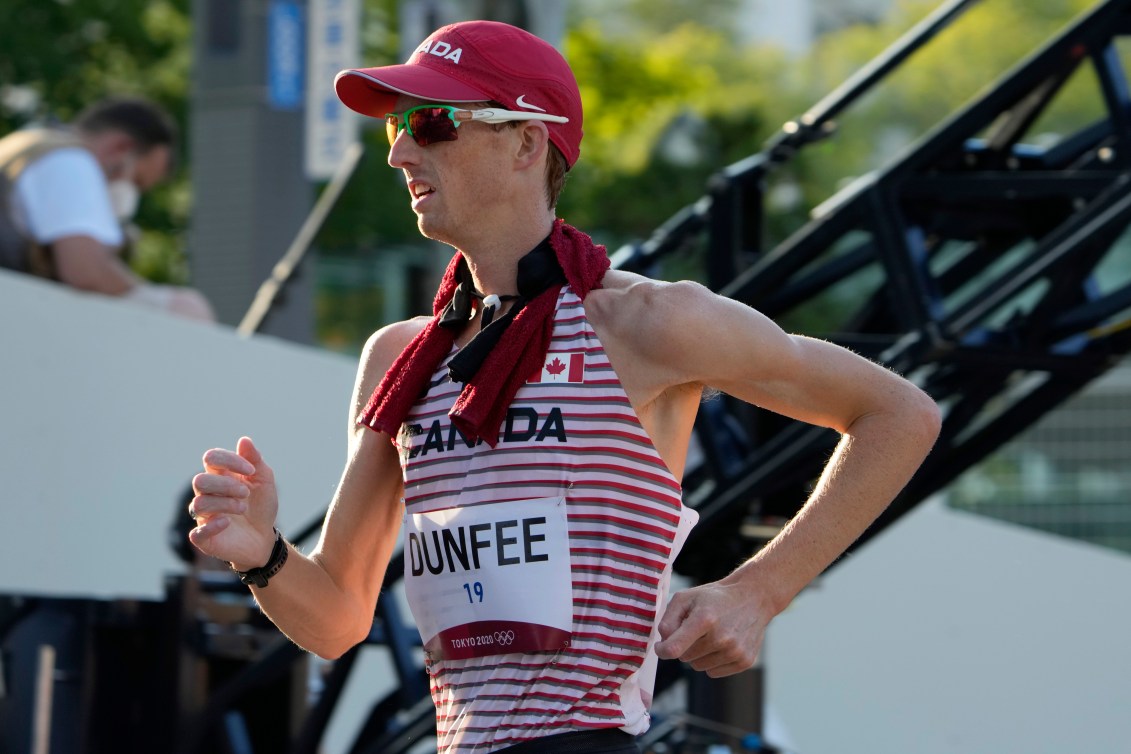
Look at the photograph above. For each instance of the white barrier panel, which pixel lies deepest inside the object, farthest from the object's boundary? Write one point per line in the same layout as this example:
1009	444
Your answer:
105	411
952	632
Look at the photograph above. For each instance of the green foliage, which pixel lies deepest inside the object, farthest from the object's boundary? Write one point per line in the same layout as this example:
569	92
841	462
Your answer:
74	51
663	112
647	18
963	60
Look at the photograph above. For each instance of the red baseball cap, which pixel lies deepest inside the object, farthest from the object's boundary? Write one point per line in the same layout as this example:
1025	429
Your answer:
476	61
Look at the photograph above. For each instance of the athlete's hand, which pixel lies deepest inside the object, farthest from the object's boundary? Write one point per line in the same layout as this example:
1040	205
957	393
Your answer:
717	628
235	506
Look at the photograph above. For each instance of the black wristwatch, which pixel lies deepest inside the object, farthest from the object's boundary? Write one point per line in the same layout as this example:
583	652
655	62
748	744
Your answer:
259	576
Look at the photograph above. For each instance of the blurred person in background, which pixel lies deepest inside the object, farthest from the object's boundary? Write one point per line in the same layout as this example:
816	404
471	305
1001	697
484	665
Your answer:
68	195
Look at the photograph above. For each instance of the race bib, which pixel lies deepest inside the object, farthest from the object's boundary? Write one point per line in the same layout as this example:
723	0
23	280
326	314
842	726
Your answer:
490	579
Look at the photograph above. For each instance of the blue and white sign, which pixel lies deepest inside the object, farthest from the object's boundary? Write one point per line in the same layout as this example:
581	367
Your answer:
333	44
285	55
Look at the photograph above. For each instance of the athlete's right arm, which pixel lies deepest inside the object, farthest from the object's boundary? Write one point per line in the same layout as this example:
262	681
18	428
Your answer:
323	601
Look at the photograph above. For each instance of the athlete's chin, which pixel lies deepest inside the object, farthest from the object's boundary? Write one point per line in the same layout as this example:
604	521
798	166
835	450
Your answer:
430	228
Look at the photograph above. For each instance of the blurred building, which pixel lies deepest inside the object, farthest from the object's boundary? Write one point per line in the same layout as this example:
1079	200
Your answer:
246	146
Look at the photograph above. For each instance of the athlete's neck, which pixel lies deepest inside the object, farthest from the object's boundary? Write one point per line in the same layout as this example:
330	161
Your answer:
494	265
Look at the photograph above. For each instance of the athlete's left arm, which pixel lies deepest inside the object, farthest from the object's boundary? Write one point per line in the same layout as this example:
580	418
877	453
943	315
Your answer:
887	427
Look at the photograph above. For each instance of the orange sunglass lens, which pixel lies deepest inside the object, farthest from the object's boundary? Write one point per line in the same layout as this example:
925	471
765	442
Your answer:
426	125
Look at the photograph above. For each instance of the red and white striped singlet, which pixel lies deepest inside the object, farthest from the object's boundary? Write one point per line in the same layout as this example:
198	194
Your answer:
571	431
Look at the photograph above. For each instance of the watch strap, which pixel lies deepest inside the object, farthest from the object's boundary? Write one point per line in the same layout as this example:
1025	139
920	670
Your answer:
259	577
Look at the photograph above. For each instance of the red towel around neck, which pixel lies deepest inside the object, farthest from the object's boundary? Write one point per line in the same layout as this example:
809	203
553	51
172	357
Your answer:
481	407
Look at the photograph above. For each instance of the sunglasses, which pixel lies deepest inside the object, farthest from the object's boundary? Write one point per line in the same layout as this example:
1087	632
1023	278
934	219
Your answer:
428	124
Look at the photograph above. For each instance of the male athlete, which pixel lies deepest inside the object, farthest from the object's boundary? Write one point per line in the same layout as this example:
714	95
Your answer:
530	436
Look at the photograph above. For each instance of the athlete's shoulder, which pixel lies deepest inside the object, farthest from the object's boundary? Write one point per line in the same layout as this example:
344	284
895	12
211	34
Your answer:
383	346
382	349
630	301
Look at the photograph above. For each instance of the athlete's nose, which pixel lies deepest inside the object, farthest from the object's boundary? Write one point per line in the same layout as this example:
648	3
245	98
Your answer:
404	151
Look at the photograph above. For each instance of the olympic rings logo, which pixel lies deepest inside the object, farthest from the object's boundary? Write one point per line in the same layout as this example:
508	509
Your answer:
504	638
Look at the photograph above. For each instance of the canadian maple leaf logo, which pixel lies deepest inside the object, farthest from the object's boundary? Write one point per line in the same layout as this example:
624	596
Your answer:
567	367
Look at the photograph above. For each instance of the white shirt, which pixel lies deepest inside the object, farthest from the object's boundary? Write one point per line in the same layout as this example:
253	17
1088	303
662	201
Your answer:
64	194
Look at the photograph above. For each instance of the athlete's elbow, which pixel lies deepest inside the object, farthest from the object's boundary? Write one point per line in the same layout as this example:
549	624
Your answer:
330	652
335	632
333	647
923	418
907	413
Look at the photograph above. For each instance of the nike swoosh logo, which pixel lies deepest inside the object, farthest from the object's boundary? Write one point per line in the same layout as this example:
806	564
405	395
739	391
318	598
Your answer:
521	102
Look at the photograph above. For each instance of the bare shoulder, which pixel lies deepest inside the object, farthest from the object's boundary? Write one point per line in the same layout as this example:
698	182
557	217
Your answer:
380	351
684	333
637	306
383	346
639	287
640	322
659	320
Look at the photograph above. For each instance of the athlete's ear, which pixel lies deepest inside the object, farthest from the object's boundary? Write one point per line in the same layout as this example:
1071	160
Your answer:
533	141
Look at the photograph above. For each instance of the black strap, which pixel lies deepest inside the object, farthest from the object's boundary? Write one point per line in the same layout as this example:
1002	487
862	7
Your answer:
537	271
259	577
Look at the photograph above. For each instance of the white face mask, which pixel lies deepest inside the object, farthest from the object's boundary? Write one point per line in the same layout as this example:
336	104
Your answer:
124	198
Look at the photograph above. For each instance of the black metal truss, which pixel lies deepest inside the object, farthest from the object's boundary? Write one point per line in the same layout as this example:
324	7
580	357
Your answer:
991	270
